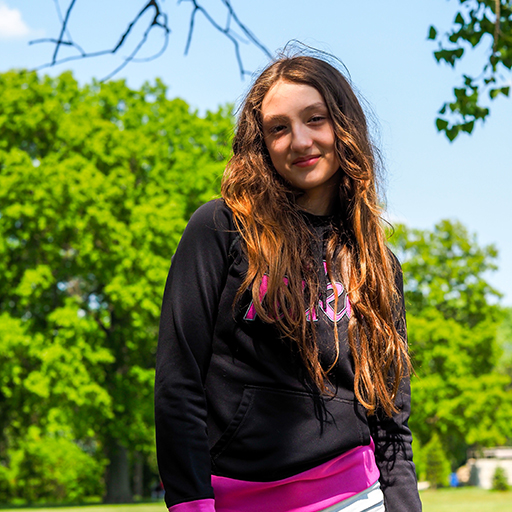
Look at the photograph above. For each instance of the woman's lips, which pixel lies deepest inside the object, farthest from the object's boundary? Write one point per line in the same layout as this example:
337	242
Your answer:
306	161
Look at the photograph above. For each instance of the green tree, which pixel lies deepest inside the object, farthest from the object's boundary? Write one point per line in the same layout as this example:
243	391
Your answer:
499	480
437	465
445	270
484	23
96	186
52	469
453	315
505	342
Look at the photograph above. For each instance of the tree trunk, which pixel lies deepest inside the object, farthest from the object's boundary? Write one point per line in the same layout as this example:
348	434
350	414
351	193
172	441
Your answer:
118	475
138	474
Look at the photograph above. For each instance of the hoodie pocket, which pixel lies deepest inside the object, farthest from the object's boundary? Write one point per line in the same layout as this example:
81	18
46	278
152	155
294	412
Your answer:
234	425
276	433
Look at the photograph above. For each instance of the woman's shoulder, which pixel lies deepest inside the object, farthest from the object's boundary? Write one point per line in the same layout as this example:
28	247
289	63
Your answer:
211	223
214	214
395	262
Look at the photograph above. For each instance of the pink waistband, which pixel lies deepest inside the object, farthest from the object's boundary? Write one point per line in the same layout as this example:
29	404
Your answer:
310	491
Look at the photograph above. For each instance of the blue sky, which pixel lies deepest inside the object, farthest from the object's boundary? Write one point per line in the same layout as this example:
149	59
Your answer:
385	48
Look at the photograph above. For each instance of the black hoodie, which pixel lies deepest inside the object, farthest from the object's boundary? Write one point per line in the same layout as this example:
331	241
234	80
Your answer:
216	362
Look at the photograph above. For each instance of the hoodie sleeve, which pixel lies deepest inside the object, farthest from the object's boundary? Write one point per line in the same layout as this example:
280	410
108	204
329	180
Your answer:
189	310
393	438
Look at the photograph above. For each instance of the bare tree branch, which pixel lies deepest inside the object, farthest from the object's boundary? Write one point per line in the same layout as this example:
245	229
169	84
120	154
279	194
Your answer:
247	32
63	30
227	31
140	45
82	55
154	23
61	18
159	20
234	30
497	27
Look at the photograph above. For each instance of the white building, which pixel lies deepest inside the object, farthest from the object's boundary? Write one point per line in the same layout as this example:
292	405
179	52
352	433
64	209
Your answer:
483	468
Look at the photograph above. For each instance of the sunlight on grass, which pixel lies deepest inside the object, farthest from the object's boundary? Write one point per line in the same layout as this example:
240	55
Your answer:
466	500
138	507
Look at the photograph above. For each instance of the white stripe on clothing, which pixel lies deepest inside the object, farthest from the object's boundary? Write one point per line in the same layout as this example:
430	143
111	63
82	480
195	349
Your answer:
370	500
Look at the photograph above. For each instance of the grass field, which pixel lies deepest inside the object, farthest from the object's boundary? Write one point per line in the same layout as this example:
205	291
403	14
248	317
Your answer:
466	500
444	500
139	507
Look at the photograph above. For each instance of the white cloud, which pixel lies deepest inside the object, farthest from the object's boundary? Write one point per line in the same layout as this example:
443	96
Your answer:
12	25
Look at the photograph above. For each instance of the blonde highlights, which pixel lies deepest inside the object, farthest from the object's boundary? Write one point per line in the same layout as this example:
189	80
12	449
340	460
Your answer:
277	238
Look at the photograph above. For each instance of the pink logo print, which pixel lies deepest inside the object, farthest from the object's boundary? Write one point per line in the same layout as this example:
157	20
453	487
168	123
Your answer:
327	306
251	312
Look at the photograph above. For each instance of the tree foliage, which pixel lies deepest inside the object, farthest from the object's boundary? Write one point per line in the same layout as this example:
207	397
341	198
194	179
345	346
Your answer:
505	342
453	317
499	480
52	468
437	465
445	270
96	186
486	23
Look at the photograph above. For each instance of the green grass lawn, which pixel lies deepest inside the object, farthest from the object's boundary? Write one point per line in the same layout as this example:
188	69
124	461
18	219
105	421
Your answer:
138	507
466	500
444	500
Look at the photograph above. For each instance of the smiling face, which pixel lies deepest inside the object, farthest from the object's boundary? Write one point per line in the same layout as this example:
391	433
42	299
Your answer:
300	139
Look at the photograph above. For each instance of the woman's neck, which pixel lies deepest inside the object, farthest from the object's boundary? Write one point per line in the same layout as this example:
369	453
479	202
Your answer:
318	203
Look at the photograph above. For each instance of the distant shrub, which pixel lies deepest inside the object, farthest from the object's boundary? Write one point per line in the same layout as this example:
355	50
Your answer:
55	469
437	465
499	480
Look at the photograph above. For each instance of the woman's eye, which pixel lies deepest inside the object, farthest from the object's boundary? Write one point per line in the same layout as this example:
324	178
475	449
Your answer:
317	119
277	129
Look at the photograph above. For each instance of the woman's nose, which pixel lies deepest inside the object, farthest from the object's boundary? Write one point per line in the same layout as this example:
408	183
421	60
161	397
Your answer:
301	138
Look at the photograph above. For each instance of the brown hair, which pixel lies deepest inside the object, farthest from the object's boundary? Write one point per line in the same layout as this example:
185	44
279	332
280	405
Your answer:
278	240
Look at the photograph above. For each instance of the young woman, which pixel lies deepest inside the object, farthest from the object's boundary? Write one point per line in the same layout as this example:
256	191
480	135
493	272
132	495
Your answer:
282	378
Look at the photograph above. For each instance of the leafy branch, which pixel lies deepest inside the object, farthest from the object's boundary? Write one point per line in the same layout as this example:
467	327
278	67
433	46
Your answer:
477	22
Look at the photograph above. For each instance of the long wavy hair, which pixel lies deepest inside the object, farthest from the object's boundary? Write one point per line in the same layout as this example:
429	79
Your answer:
278	240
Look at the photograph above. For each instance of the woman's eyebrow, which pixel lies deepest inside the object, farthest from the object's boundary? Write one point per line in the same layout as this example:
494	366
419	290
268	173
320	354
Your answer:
314	106
284	117
274	118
